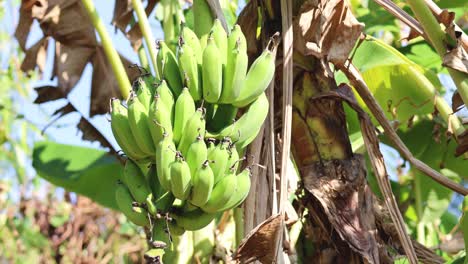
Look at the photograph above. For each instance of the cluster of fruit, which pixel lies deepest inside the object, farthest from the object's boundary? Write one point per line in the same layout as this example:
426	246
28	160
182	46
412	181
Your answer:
184	126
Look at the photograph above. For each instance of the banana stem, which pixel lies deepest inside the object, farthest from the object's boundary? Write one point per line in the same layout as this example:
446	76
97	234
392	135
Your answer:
238	219
142	57
437	38
111	53
146	31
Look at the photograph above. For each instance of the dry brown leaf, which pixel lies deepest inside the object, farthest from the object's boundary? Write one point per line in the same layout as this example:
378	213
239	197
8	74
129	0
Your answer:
457	59
446	17
67	22
64	110
457	102
36	56
326	29
104	85
123	14
48	93
24	23
462	147
69	64
259	244
90	133
248	19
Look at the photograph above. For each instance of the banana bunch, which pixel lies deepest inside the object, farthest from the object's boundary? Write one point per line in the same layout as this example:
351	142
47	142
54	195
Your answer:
180	135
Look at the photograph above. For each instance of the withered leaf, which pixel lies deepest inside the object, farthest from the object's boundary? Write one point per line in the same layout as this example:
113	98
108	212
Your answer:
48	93
247	20
123	14
104	85
457	102
69	64
36	56
326	29
446	17
66	109
260	243
90	133
462	147
24	23
67	22
457	59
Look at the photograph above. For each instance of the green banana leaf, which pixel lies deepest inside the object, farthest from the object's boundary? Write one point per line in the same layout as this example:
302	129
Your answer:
86	171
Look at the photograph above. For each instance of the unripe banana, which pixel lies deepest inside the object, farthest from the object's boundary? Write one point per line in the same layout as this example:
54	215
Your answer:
236	66
188	67
212	72
192	220
190	38
138	120
184	109
203	182
197	153
221	39
220	157
242	190
135	181
153	181
195	126
168	68
150	205
210	144
233	161
257	80
164	157
180	177
204	243
159	120
175	229
124	201
224	116
244	130
143	93
203	18
166	96
122	132
221	194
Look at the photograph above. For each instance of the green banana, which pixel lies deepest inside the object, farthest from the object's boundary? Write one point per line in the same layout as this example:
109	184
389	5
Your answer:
122	132
143	93
236	66
210	144
188	67
196	154
166	96
220	157
223	117
221	39
192	220
190	38
138	120
204	243
195	126
233	161
242	190
180	177
174	229
124	202
244	130
159	120
168	68
212	72
135	181
221	194
150	205
257	80
153	181
203	182
203	18
184	109
164	158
